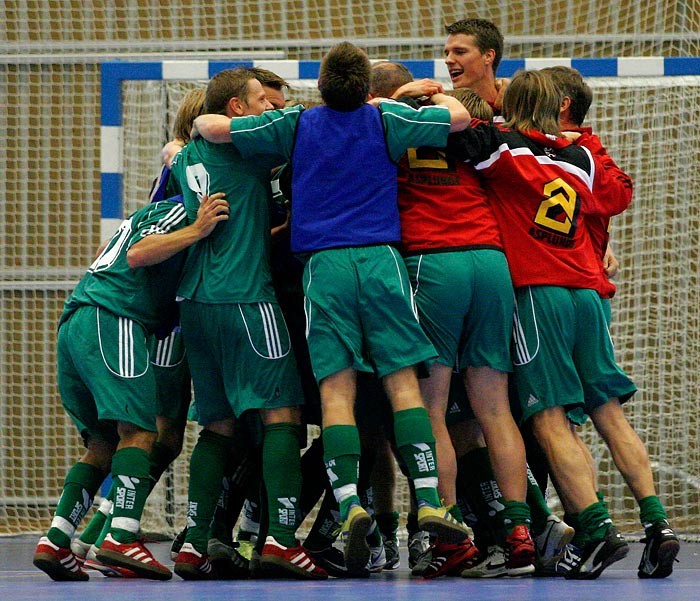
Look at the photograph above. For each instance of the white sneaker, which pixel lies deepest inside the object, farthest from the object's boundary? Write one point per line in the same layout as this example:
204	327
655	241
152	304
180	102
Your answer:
80	550
377	558
493	565
551	543
419	555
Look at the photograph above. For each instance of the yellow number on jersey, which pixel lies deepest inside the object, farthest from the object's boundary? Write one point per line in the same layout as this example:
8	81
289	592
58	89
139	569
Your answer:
558	209
430	158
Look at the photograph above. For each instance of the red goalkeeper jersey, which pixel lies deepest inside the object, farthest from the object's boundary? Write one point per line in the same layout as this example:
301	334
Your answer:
541	189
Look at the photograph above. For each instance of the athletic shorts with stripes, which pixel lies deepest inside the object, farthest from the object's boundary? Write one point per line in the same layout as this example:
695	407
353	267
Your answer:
360	312
563	353
104	373
172	373
240	358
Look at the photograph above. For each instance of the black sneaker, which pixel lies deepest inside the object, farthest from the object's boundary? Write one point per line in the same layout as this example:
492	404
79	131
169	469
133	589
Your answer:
562	566
228	563
659	553
332	560
178	541
391	548
599	554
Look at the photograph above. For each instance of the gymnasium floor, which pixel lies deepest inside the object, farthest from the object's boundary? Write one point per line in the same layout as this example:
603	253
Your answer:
20	581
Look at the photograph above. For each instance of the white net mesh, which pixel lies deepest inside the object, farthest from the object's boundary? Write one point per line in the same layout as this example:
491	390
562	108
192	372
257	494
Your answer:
398	28
50	214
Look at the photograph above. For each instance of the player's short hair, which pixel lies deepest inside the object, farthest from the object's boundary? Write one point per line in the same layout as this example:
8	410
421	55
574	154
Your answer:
268	78
532	101
191	106
486	35
478	108
571	83
387	77
225	85
344	77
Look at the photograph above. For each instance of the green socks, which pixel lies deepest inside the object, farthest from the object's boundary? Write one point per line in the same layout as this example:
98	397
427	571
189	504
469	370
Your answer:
79	488
207	464
416	444
131	474
282	478
651	512
341	455
514	514
595	521
537	503
94	528
388	523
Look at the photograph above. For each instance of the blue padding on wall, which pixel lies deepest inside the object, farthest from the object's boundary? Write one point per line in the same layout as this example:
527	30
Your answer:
509	66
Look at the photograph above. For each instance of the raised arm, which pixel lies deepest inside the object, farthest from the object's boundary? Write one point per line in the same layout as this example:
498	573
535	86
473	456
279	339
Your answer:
459	116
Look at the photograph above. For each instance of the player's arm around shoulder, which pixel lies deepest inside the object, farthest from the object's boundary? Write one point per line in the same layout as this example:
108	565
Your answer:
459	115
213	128
163	243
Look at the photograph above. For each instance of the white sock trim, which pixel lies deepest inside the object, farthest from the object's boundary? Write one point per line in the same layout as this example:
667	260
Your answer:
63	525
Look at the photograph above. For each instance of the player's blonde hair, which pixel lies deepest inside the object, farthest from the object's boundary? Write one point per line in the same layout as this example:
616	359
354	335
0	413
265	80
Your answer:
532	102
192	106
478	108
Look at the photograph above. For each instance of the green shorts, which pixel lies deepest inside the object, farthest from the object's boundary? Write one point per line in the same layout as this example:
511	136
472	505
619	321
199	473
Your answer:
104	373
172	373
360	312
578	415
563	354
465	304
240	358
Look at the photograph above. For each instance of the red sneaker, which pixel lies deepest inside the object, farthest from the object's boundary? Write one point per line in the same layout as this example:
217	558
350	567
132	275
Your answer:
190	564
92	563
58	562
133	556
519	550
278	561
450	559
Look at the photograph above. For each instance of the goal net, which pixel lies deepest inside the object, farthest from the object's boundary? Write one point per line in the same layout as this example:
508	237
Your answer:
50	215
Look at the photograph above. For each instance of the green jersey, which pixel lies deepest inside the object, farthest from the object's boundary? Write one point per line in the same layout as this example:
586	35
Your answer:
144	294
231	265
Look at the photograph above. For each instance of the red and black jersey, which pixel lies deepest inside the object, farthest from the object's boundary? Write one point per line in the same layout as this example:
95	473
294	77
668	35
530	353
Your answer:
443	204
598	225
541	189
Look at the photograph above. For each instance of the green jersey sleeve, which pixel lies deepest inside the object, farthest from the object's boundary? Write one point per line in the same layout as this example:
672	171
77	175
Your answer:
271	133
406	127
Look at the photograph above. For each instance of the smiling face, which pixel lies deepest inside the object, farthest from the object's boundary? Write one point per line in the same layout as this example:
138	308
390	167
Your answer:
468	66
256	103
